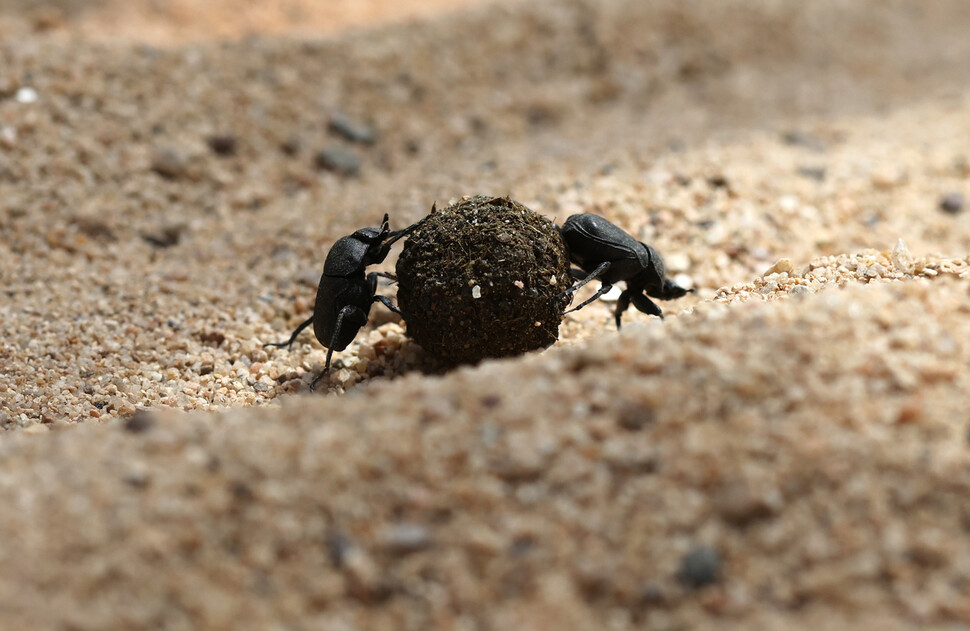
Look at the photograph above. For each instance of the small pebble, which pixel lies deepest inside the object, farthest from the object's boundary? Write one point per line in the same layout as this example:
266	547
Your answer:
26	95
167	163
813	173
781	265
354	131
339	160
338	545
291	146
718	181
796	138
405	538
166	237
700	567
952	203
788	203
8	137
635	417
223	144
769	288
741	505
901	258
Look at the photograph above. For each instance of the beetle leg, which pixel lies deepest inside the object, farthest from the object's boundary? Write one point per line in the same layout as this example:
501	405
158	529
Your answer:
399	234
645	305
289	343
599	271
384	300
347	313
622	304
599	292
326	367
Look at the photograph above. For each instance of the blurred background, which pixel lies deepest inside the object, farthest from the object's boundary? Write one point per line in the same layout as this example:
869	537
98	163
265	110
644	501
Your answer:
178	21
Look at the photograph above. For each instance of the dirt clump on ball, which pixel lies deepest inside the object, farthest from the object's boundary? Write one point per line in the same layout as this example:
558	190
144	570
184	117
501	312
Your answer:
483	278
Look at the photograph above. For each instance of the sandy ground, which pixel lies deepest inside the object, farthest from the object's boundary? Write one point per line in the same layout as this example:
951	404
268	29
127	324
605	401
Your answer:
788	449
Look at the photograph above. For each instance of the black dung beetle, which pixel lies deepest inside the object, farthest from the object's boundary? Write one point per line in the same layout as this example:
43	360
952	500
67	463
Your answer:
604	251
345	293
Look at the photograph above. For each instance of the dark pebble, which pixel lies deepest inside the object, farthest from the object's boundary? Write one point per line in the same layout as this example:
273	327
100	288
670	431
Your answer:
354	131
635	417
137	480
338	545
813	173
718	181
953	203
797	138
223	144
339	160
166	237
168	163
291	146
700	567
214	338
491	401
241	491
140	421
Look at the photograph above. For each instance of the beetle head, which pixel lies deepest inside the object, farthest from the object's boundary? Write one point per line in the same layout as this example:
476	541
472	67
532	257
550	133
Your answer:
374	238
373	235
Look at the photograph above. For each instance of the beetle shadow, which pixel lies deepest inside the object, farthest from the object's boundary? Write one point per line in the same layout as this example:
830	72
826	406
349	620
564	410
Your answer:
379	362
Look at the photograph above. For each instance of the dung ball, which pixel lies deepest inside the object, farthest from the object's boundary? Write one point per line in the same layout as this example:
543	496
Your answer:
483	278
